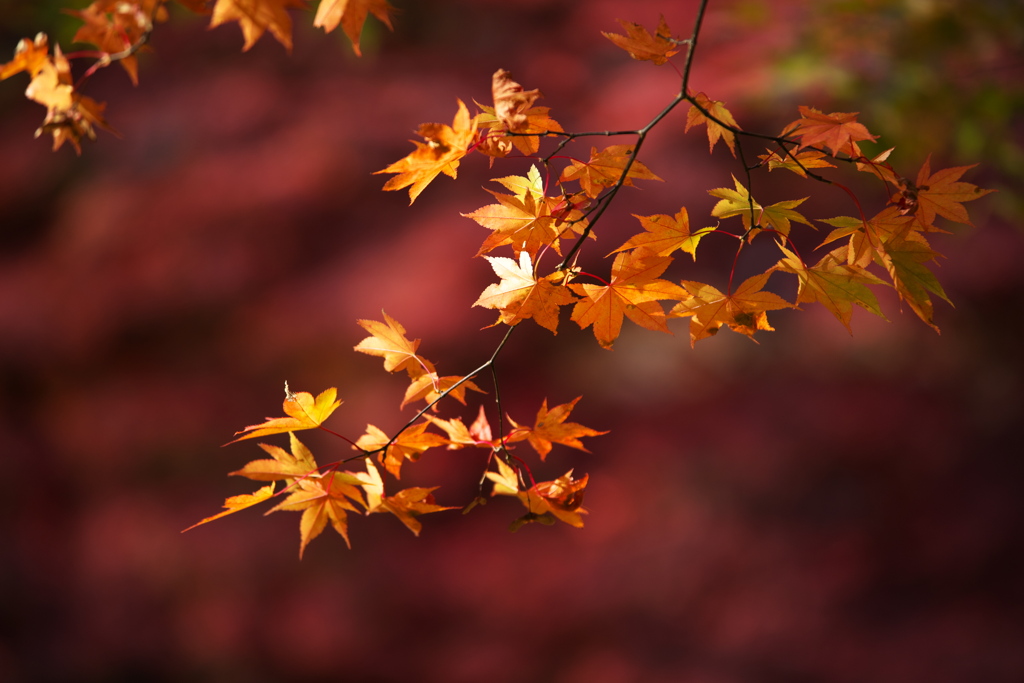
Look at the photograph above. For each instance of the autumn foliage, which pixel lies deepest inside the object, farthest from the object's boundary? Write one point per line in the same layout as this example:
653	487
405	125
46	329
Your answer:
538	226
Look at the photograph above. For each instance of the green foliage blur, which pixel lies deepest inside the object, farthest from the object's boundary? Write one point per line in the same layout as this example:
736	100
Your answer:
938	76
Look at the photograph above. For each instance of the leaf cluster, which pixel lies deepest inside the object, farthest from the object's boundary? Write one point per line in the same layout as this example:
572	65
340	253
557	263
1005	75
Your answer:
538	226
118	30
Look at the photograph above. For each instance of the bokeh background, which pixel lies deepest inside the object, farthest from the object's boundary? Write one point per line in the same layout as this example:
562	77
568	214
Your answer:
816	507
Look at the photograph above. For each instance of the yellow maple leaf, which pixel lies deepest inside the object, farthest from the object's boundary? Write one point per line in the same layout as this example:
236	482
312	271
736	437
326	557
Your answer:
304	412
236	503
322	500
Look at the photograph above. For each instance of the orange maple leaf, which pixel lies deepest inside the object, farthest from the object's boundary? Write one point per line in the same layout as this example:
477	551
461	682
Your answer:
868	238
406	505
634	292
445	145
477	434
388	341
561	499
551	427
743	311
797	163
304	412
114	26
409	445
513	112
351	14
521	295
522	219
605	169
409	503
256	16
838	131
940	193
716	131
641	45
664	234
29	55
428	387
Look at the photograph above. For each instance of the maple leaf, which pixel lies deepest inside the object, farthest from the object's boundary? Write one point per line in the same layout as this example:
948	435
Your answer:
322	500
236	503
114	26
633	292
304	412
409	445
444	147
351	14
797	163
664	234
405	504
838	131
29	55
940	193
70	116
641	45
460	436
878	167
429	387
833	283
51	86
477	434
868	238
388	341
606	168
738	202
511	102
513	112
716	131
904	257
551	427
256	16
283	465
743	311
522	220
520	295
561	498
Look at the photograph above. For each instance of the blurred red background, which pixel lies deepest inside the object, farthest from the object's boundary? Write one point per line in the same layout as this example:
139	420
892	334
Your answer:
818	507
